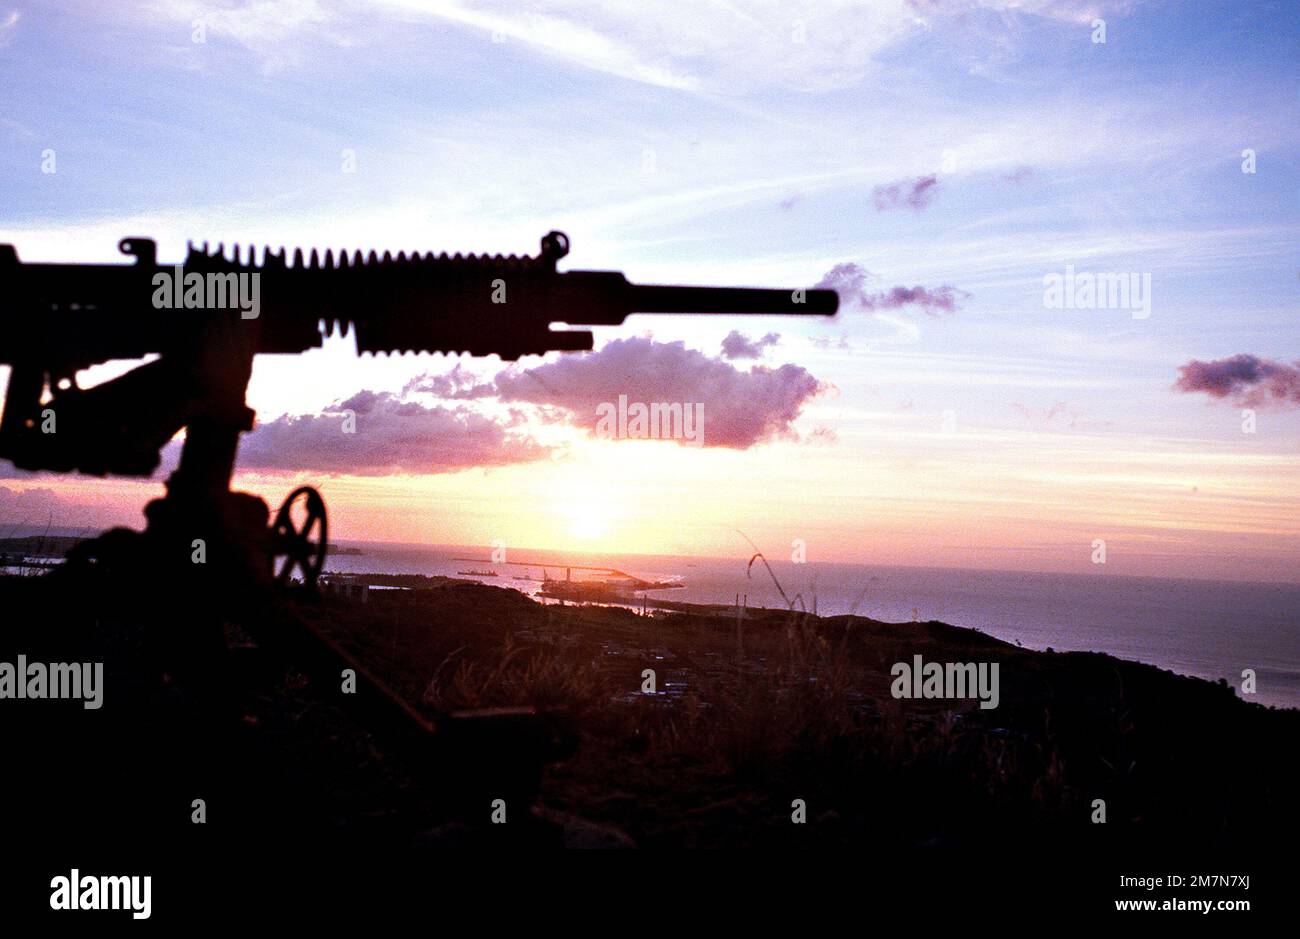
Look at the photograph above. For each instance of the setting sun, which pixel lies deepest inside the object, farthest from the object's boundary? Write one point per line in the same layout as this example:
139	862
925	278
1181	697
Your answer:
588	522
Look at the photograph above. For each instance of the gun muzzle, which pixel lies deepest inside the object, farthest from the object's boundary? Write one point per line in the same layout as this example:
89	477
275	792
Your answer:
750	300
606	298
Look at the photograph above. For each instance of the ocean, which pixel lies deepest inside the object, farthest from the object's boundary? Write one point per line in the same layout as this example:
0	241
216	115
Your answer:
1209	629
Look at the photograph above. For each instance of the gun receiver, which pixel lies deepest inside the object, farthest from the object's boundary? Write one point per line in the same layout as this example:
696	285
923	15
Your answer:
77	315
72	316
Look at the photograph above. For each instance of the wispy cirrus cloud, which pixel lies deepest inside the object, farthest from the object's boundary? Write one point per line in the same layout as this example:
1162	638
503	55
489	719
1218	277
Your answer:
8	30
1070	11
717	48
279	32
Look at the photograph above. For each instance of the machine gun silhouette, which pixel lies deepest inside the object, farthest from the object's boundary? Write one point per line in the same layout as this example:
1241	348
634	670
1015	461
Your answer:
68	317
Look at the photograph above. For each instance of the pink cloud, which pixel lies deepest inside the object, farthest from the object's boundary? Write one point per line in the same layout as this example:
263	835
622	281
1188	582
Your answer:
390	436
850	282
1249	379
741	408
915	194
739	346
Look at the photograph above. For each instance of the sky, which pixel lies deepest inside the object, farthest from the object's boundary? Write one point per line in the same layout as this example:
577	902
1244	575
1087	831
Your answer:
944	165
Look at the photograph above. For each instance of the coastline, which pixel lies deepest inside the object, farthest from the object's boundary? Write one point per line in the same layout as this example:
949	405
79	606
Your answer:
1209	631
737	722
790	704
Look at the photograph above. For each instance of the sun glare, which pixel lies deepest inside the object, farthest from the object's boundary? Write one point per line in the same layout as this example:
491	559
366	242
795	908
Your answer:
588	522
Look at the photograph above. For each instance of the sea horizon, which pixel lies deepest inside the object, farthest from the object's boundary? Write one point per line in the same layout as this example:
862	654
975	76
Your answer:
1189	578
1202	627
1212	629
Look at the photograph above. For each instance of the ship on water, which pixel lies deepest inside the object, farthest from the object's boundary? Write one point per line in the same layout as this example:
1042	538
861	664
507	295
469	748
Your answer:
618	587
615	586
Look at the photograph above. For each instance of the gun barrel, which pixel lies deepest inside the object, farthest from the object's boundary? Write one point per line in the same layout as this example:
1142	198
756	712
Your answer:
707	300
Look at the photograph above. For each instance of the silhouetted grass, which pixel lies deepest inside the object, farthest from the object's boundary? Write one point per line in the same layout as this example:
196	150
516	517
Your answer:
793	706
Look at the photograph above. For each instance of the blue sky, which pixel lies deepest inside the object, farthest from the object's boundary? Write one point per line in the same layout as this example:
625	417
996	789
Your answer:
743	143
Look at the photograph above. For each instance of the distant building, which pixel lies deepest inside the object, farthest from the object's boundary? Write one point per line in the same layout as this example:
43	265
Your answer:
348	586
